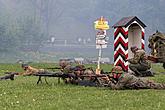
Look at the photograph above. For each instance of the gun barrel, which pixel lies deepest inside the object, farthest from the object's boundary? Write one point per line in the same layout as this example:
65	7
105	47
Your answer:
59	74
95	75
53	68
15	73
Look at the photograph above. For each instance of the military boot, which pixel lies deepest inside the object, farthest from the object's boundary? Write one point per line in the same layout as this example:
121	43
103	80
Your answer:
147	73
12	77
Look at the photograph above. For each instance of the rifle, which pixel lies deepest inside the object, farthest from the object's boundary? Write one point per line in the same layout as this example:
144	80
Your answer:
57	74
53	68
100	79
14	73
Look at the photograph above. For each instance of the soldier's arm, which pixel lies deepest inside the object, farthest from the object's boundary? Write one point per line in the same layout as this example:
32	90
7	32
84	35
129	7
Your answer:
137	57
27	73
20	73
117	86
134	60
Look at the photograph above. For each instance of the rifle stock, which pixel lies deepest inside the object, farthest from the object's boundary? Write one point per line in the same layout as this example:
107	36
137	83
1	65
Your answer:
152	58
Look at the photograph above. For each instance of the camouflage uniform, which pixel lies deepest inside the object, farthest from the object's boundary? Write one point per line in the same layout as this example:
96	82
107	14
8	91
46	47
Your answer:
65	66
71	71
89	78
139	62
128	81
76	77
156	40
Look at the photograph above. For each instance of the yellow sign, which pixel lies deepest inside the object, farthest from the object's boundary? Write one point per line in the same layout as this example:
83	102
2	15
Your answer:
101	24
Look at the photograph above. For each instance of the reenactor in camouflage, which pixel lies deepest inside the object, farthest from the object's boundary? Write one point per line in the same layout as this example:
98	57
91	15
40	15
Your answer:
65	66
88	77
77	77
155	41
139	63
31	70
89	80
122	80
73	72
28	71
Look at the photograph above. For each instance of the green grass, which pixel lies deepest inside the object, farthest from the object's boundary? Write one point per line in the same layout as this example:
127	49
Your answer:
24	94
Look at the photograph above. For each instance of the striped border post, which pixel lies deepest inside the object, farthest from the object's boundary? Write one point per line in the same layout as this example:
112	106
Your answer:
121	47
142	40
121	40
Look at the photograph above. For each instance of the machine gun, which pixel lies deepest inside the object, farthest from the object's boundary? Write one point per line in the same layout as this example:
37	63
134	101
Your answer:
55	74
99	79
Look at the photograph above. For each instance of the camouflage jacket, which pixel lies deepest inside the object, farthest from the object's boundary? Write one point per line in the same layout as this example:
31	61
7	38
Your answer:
67	69
140	58
72	69
127	81
155	41
139	55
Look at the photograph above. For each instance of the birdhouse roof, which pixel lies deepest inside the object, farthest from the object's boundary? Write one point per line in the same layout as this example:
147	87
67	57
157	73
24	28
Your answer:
126	21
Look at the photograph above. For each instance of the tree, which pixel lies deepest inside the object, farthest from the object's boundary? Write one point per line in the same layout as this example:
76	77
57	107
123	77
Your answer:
44	8
30	34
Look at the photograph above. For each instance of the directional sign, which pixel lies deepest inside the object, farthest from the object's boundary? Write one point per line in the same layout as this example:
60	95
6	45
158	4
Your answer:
101	41
101	24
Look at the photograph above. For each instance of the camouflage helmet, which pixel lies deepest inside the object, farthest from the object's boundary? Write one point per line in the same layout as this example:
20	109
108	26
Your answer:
156	36
79	68
24	65
117	69
63	63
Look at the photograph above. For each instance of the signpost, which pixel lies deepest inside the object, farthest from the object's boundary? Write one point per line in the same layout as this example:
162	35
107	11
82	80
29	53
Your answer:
101	25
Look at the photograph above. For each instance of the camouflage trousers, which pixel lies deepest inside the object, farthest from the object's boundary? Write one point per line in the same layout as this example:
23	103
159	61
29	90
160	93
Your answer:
129	81
146	84
138	69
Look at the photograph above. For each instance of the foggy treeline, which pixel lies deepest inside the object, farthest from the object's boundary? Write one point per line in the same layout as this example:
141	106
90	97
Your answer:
29	23
24	22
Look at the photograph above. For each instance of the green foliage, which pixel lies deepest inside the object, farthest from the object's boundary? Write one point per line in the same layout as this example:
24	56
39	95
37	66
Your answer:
24	93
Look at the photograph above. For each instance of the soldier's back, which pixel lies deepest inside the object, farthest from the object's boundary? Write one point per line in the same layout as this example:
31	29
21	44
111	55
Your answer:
128	79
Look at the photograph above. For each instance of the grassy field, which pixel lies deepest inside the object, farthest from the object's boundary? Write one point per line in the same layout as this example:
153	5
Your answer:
24	94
